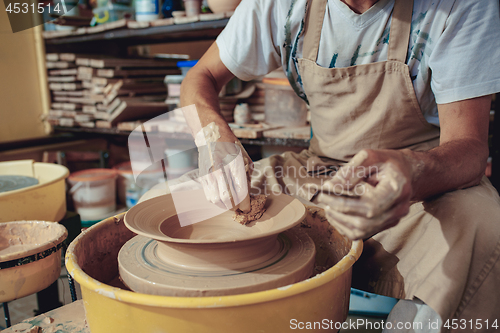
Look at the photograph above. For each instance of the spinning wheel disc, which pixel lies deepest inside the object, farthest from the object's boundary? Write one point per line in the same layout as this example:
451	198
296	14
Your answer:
151	267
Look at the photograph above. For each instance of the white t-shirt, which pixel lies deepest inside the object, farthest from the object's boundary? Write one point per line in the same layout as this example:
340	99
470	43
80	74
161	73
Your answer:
454	49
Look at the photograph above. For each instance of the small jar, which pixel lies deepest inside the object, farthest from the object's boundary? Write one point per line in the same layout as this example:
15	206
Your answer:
192	7
242	114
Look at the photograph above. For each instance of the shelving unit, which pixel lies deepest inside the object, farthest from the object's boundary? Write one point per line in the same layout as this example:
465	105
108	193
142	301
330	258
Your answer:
115	43
81	133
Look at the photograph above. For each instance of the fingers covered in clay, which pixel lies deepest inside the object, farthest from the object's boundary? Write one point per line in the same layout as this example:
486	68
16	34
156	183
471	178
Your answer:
360	204
370	201
224	172
359	227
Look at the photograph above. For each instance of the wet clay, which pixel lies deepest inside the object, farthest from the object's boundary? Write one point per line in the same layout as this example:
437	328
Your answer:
18	239
208	134
257	203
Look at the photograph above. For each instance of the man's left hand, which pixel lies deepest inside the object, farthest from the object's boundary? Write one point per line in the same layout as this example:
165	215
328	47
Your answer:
377	188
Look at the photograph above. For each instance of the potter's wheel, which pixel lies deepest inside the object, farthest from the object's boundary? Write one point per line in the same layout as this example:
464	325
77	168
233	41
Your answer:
11	182
149	266
217	256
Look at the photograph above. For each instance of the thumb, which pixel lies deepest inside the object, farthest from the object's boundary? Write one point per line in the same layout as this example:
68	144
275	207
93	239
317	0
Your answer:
360	167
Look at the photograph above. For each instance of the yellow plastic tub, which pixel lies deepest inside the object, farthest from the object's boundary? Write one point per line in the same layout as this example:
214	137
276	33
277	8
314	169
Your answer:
92	260
44	202
30	257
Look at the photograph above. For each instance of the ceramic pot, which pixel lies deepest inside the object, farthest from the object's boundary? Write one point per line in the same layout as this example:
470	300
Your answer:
219	6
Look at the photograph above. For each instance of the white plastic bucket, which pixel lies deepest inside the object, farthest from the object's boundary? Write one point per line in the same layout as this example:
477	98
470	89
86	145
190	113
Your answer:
93	192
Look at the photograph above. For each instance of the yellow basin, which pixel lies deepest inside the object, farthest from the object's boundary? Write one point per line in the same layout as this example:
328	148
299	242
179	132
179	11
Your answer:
45	201
30	257
92	260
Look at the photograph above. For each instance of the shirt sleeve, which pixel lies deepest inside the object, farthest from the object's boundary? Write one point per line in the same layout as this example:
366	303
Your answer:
465	62
249	46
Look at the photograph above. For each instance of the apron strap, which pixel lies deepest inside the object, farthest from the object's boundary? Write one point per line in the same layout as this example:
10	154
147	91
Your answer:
399	35
312	32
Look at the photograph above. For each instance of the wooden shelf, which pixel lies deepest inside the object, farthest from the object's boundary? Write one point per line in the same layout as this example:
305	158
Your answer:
201	30
185	136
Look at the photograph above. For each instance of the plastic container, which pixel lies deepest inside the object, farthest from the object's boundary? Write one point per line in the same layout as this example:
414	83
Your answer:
147	10
192	7
93	192
30	257
45	201
111	13
185	66
127	189
282	105
173	84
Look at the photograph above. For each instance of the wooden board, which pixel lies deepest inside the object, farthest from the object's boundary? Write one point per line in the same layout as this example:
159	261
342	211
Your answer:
112	73
70	93
186	19
129	125
66	78
107	26
84	117
88	124
65	86
56	33
137	25
103	124
68	56
89	108
102	81
62	113
71	71
52	57
85	73
162	22
212	16
251	131
66	319
66	122
109	108
303	133
137	110
66	106
102	115
59	64
77	100
132	62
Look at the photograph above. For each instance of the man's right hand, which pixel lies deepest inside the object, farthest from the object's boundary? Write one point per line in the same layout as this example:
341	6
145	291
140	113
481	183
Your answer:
224	169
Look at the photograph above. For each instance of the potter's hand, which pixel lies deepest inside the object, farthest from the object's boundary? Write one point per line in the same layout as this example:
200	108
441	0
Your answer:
378	189
224	169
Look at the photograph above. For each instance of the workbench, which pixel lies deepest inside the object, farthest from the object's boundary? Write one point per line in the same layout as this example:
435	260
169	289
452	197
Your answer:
66	319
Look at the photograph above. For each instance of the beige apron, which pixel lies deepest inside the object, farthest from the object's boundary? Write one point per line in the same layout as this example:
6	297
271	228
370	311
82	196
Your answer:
445	251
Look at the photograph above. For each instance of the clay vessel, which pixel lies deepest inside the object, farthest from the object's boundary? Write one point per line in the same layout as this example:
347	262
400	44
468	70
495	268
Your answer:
219	6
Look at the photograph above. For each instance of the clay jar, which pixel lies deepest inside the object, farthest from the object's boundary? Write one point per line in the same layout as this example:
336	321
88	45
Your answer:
193	7
219	6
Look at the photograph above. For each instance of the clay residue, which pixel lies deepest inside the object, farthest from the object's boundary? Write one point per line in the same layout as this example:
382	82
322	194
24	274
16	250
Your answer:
208	134
257	203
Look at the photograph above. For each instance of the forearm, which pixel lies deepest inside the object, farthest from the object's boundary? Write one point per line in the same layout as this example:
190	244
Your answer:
201	89
453	165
